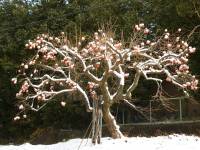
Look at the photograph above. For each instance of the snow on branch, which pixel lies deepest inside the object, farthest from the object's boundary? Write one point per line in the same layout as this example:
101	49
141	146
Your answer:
104	66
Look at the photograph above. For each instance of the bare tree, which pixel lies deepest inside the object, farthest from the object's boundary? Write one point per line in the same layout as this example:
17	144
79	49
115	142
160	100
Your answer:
58	67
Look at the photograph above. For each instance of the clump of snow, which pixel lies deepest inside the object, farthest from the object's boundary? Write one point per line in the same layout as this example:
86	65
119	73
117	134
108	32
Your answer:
170	142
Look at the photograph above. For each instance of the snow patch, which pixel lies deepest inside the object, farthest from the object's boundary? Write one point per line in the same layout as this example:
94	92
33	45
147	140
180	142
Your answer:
170	142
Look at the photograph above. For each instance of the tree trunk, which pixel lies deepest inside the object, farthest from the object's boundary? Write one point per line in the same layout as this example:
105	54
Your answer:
110	122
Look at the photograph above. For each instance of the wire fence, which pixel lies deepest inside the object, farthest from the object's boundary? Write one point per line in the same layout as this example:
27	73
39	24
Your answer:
176	117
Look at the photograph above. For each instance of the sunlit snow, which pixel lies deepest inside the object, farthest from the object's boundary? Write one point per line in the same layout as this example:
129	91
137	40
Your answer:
171	142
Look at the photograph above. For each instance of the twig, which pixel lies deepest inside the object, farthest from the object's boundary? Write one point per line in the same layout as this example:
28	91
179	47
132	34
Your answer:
85	135
193	30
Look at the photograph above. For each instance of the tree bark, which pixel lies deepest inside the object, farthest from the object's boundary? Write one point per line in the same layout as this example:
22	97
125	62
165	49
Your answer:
110	122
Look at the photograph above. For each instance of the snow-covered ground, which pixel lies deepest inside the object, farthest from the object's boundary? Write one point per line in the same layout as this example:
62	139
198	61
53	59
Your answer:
171	142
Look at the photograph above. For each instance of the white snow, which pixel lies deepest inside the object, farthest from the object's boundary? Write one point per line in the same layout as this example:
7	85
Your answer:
171	142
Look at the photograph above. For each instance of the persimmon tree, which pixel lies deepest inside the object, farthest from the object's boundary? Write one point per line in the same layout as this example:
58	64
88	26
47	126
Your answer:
60	67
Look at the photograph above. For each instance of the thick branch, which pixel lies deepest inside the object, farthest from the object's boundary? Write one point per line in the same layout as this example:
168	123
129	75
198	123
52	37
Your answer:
115	50
85	68
135	108
87	103
119	93
54	69
106	93
134	84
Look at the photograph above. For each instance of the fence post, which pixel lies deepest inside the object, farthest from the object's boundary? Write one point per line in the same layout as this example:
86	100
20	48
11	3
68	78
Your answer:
123	116
180	110
150	118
